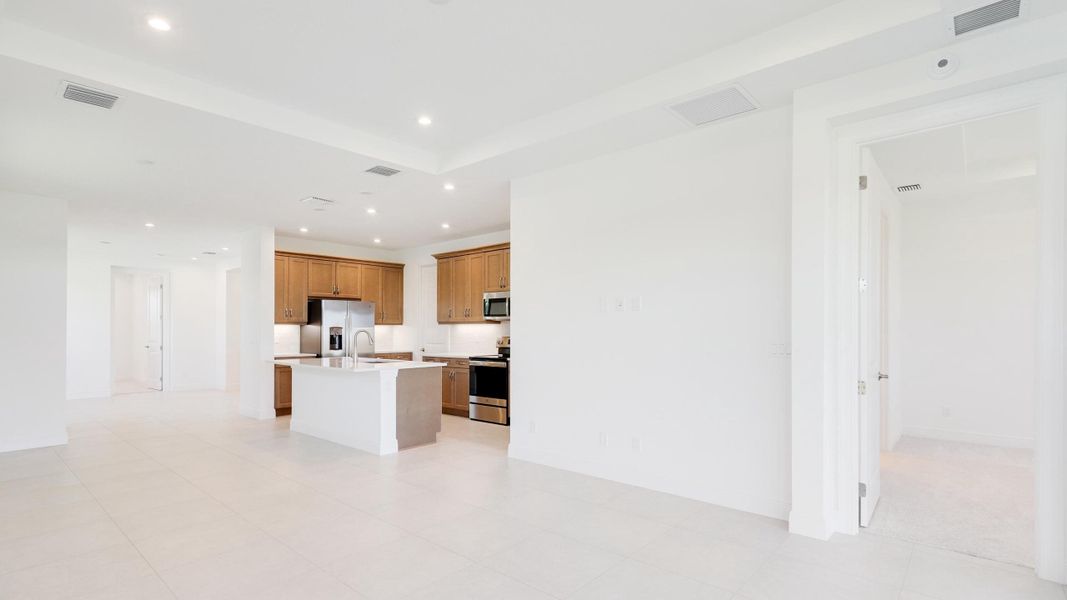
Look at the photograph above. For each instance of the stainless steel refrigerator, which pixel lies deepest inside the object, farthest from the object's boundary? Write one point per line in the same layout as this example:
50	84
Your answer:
338	328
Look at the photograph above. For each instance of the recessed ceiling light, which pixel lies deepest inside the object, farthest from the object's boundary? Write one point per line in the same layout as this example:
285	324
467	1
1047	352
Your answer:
159	23
149	225
146	162
425	120
445	225
194	258
160	254
377	240
105	242
303	230
450	186
371	211
225	249
366	193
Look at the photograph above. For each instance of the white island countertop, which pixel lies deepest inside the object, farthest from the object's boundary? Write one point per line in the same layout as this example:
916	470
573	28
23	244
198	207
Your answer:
363	365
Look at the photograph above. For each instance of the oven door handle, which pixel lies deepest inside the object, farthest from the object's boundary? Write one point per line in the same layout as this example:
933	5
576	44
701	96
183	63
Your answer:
485	363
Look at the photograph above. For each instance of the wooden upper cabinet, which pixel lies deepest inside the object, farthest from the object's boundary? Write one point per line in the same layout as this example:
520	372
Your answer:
392	310
444	290
348	280
297	289
476	286
290	289
299	277
322	277
498	270
372	288
462	278
461	269
281	278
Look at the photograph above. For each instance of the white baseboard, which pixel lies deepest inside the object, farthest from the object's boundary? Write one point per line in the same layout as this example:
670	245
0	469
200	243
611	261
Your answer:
970	437
735	499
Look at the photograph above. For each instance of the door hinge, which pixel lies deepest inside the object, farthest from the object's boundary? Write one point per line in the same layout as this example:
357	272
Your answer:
863	182
862	388
863	490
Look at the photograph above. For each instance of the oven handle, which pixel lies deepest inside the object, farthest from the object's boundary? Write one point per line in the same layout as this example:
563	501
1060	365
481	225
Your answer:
484	363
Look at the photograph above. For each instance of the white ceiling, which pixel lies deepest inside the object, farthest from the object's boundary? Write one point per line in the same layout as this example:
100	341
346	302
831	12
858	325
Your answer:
213	176
474	65
954	159
246	107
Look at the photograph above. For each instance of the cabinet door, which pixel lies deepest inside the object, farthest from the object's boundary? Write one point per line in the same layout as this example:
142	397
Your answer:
507	270
372	289
461	305
494	271
444	290
283	387
446	387
281	273
461	389
475	286
297	290
349	281
322	278
392	296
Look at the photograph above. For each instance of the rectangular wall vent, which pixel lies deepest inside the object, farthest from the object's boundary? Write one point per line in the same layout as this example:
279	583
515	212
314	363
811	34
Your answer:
914	187
87	95
987	15
716	106
383	171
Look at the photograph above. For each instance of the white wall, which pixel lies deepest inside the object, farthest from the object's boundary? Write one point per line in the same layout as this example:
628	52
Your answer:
193	336
968	330
692	390
232	318
33	256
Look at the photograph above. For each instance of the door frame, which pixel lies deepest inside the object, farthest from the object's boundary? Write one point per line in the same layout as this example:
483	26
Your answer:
167	330
1049	97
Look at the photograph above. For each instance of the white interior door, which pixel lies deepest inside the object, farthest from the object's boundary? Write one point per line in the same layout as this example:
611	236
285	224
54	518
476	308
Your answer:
154	327
870	327
433	337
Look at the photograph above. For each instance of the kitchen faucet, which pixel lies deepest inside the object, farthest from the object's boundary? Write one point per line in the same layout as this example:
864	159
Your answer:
355	338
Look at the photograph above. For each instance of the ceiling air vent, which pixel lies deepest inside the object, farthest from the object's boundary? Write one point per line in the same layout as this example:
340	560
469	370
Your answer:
383	170
316	203
984	16
716	106
914	187
87	95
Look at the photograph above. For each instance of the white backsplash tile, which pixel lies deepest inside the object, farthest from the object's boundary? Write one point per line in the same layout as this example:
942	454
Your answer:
286	339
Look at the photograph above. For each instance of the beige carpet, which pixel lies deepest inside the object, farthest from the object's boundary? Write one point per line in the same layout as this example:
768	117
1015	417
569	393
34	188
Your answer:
970	498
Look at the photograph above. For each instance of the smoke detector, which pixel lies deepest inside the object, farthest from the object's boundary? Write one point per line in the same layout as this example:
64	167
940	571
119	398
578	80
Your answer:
715	106
383	171
87	95
968	16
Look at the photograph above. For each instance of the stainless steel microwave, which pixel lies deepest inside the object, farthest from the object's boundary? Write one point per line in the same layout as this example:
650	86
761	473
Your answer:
496	306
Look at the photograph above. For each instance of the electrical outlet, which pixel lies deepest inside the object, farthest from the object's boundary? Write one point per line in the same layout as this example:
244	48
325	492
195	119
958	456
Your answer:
533	427
620	304
636	304
946	411
603	439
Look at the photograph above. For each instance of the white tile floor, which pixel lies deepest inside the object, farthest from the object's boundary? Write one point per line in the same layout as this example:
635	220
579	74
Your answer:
163	496
971	498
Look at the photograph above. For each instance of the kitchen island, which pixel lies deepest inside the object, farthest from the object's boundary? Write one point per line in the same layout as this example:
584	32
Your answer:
375	405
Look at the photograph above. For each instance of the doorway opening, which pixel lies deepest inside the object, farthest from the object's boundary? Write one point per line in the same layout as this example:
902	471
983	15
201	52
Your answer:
137	319
949	258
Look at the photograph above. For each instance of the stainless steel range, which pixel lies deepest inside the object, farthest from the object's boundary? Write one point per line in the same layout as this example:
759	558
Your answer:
490	387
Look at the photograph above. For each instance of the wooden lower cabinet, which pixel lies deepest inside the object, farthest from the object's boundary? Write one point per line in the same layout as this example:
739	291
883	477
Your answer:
395	355
455	385
283	390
